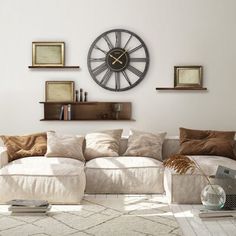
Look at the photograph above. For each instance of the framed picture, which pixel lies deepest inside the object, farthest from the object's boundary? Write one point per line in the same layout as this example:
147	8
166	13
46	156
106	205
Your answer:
48	54
188	76
59	91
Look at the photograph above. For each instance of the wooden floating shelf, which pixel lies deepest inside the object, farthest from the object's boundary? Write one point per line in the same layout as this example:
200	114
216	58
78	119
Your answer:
75	103
86	111
180	88
91	120
53	67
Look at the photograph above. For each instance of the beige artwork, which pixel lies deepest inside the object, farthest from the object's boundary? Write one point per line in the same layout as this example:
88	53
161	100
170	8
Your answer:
48	54
59	92
189	76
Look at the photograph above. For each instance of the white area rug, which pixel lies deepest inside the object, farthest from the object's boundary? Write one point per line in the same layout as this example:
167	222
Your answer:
112	215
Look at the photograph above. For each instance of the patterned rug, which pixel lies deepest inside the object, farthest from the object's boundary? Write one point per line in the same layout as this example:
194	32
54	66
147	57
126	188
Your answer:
113	215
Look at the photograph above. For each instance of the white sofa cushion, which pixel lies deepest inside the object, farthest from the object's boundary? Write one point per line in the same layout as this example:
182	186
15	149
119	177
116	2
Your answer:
70	146
58	180
124	175
192	185
145	144
102	144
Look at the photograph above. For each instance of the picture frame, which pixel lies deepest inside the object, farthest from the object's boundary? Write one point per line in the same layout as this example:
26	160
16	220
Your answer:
48	54
59	91
188	76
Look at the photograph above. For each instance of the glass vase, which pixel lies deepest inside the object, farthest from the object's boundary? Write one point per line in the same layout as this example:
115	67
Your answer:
213	197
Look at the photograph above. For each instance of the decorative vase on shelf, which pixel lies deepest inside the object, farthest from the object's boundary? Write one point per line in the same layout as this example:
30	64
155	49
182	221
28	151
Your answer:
213	197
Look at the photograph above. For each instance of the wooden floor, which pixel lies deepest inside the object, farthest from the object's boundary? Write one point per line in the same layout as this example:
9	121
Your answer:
192	225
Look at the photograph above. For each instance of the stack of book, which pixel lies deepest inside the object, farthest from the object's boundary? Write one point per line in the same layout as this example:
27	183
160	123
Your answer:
65	113
28	207
216	215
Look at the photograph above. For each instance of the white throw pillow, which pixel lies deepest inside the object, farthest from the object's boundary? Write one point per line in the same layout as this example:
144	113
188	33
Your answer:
70	146
145	144
103	144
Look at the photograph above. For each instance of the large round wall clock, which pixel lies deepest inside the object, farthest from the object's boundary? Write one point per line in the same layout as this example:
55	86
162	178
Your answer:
118	60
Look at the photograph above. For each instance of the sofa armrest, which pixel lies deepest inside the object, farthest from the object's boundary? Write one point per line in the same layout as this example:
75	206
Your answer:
3	157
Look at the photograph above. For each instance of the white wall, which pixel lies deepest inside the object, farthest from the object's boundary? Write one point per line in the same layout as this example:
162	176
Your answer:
176	32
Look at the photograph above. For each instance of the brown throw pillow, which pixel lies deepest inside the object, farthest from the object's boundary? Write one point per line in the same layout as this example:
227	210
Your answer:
25	146
207	142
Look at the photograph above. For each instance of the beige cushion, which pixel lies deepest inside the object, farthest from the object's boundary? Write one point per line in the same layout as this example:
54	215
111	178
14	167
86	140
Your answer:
56	179
25	146
145	144
103	144
70	146
124	175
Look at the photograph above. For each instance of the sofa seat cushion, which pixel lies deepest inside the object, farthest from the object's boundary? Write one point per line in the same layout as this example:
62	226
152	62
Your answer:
192	184
42	166
58	180
124	175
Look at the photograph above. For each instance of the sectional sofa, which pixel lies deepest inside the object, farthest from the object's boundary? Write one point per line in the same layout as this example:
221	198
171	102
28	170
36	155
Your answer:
64	180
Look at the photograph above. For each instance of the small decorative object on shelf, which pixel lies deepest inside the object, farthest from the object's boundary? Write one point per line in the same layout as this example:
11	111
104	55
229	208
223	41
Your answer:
85	96
59	91
76	96
48	54
117	108
188	76
81	95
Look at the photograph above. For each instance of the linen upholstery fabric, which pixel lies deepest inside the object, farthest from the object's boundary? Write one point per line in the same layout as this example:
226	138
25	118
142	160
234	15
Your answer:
124	175
186	189
102	144
25	146
58	180
145	144
207	142
70	146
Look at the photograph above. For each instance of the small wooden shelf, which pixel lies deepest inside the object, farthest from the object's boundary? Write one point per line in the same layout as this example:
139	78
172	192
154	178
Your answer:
180	88
53	67
91	120
87	111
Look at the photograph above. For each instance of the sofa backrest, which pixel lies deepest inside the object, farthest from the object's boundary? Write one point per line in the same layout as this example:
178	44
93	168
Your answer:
170	146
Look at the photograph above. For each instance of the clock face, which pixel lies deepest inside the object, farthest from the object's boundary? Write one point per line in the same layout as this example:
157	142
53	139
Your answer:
118	60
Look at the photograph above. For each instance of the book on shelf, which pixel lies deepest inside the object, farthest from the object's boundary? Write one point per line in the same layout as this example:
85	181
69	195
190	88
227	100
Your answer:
69	111
61	117
65	112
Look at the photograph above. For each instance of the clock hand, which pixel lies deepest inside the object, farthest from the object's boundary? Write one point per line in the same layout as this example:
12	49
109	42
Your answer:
119	57
116	59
